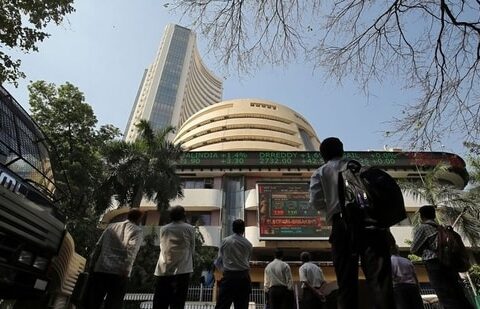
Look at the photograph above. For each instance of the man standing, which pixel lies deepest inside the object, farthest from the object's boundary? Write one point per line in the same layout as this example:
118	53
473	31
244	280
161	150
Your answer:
444	280
349	243
175	263
278	283
405	282
312	279
112	261
233	258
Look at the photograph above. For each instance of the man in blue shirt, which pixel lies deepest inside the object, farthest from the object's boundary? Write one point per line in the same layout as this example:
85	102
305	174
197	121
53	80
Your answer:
405	282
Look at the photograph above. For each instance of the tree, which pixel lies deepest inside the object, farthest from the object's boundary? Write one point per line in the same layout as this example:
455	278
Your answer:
142	279
434	46
203	257
474	162
70	124
449	201
22	25
144	168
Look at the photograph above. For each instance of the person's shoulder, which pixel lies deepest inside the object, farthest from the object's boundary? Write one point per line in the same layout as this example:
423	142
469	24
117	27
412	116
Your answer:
227	239
114	224
134	227
395	258
248	242
405	260
165	227
421	227
112	227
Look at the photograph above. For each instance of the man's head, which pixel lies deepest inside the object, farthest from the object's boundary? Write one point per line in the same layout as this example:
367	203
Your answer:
135	216
238	226
278	254
305	257
331	148
427	212
177	213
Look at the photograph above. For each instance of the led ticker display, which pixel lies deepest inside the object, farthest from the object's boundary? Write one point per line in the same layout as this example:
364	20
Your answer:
284	213
312	159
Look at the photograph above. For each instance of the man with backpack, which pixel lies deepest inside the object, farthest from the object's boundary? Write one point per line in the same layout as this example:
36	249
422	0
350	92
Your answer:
349	240
444	279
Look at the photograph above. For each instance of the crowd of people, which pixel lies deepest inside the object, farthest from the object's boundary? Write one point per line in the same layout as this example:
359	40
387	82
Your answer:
390	278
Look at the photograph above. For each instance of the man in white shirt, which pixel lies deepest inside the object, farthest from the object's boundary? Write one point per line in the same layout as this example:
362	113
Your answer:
278	283
175	263
312	279
234	260
112	261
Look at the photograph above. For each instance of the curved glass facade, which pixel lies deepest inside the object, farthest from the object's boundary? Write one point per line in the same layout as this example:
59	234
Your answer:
175	86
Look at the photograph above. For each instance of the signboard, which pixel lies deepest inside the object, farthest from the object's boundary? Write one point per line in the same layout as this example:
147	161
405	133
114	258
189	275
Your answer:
285	214
312	159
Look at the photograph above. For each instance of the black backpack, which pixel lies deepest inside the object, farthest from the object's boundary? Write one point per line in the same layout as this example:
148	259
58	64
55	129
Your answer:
369	196
451	251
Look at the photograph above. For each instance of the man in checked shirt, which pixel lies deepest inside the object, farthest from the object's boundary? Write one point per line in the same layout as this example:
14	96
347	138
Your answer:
444	280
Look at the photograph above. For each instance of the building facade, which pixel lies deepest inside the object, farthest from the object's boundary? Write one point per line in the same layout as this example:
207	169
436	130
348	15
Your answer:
247	124
252	159
175	86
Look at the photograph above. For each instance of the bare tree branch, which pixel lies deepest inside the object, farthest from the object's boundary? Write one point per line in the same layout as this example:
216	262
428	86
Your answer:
432	46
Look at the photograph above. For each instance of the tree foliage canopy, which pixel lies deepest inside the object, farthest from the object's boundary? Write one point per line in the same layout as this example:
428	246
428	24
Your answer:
433	46
22	26
450	202
145	167
70	124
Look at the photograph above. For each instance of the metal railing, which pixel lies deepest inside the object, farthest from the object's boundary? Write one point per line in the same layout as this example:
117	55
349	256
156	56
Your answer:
199	293
200	297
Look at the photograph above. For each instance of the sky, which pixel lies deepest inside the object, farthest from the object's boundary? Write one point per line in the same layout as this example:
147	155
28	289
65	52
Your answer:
104	47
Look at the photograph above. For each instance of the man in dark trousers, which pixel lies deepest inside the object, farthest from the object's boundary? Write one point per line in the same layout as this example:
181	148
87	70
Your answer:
175	263
312	279
112	261
234	260
445	281
278	283
368	243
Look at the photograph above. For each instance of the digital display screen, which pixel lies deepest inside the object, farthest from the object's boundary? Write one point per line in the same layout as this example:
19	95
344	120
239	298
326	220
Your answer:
285	213
312	159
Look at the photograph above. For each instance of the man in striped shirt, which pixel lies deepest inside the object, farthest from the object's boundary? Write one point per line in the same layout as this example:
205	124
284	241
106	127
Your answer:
312	279
444	280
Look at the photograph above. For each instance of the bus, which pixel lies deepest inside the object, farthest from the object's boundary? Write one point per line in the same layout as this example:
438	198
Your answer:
32	229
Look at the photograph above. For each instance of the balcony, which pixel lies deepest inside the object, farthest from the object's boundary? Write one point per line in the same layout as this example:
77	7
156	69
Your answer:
200	199
402	233
251	199
251	233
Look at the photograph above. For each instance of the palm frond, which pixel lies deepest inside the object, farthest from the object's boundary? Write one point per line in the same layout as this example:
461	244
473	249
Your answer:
449	201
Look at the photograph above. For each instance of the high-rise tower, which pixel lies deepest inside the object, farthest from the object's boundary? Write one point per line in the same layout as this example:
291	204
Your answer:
175	86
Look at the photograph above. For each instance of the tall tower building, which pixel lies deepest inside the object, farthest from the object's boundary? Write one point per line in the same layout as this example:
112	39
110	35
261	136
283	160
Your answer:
175	86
